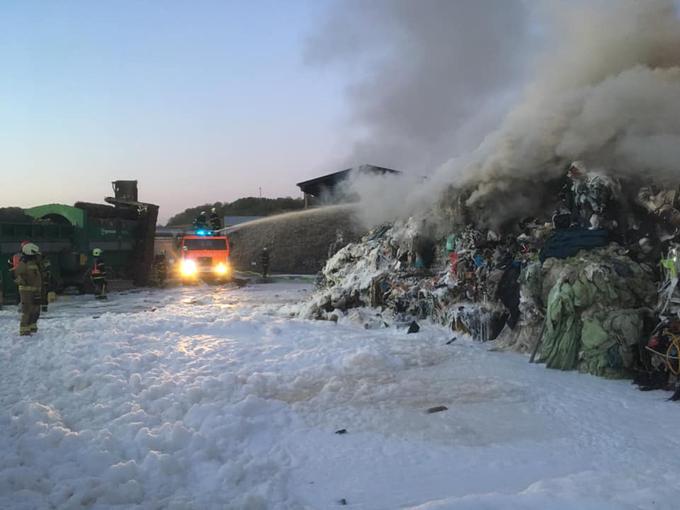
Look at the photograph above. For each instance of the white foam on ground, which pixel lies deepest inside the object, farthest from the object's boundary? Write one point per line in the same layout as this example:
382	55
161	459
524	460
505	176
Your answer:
214	398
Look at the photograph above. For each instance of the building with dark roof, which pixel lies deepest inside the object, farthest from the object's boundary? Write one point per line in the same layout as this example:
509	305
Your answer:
327	188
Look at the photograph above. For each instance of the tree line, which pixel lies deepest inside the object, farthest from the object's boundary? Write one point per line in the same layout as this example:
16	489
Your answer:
248	206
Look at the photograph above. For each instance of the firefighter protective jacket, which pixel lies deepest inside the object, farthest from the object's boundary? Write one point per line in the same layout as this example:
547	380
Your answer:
28	276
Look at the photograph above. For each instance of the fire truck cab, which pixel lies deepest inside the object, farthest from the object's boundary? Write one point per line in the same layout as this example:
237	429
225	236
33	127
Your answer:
204	256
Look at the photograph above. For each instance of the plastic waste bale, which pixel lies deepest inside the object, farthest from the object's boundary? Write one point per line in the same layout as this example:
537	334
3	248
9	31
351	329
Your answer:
609	340
595	307
561	338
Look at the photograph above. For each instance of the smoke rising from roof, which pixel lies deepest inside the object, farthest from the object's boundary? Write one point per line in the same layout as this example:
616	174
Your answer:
605	90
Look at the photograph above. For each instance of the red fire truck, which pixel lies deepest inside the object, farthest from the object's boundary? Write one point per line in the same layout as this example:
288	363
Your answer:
204	256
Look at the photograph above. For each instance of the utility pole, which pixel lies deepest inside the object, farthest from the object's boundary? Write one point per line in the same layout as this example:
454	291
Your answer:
260	188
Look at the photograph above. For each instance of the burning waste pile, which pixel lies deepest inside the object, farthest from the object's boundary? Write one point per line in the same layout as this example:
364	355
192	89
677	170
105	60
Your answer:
589	284
556	232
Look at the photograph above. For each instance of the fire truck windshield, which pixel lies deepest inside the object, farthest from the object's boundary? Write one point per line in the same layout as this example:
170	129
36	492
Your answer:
205	244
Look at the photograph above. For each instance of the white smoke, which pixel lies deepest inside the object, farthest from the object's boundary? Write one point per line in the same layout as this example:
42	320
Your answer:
605	90
608	88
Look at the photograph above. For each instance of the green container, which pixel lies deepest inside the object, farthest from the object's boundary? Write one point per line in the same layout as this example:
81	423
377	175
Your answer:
67	236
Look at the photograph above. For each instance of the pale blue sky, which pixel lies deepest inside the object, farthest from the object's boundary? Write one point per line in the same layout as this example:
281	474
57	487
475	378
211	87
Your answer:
198	100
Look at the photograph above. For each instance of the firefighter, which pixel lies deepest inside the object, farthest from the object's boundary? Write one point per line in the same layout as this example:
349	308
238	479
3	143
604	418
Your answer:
264	262
98	275
215	221
29	280
201	221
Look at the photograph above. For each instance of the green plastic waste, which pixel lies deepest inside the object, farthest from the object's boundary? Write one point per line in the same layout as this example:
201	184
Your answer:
594	312
561	339
608	341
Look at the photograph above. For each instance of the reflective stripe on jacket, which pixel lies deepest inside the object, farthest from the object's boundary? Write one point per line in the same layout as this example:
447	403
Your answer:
98	271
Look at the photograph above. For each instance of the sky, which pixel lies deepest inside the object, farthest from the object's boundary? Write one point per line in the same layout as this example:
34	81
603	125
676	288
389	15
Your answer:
199	101
212	100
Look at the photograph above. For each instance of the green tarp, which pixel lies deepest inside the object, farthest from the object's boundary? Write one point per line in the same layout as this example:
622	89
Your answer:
561	339
594	312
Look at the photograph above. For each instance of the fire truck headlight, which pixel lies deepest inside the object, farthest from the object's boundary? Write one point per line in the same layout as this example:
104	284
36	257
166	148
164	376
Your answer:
221	269
188	268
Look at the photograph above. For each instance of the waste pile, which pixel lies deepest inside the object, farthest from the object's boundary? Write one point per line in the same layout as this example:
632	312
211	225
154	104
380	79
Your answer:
589	285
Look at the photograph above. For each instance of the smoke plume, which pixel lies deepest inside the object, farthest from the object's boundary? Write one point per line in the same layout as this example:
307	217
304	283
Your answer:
428	77
605	89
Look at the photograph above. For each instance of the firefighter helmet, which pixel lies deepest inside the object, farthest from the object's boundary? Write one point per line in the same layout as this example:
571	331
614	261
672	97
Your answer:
30	249
97	252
